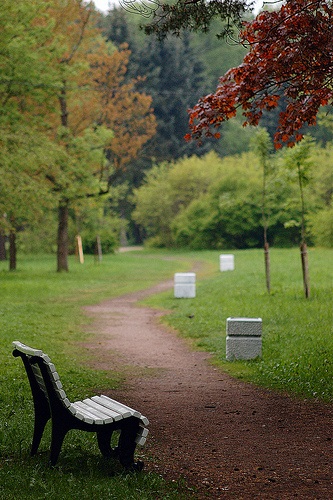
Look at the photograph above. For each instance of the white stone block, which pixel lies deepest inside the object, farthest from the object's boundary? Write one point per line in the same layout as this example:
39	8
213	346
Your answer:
244	338
185	278
184	285
227	262
244	326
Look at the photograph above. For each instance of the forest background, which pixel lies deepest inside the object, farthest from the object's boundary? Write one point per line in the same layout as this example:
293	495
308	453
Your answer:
93	119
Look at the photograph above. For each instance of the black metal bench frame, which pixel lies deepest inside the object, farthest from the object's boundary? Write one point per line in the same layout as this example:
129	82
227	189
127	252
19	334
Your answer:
99	414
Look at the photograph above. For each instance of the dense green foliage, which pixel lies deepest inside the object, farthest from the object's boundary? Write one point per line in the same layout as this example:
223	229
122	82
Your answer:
171	72
56	158
213	202
176	72
196	15
64	103
90	220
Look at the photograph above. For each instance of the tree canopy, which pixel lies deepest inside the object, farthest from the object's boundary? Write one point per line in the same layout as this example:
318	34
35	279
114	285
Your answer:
171	71
193	15
290	62
64	85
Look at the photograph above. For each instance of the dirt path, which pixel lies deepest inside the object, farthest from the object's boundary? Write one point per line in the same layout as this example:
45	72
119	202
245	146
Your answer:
230	440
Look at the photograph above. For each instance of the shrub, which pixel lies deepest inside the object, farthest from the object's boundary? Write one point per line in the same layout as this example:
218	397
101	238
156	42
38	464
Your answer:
321	227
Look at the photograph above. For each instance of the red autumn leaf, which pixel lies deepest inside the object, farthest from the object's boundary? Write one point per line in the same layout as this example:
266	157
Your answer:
291	55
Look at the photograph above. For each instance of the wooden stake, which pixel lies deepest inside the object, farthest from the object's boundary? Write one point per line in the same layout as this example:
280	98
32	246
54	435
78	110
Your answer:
267	268
305	269
79	249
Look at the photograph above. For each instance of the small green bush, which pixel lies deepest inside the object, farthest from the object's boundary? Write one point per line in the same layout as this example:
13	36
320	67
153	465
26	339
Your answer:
321	227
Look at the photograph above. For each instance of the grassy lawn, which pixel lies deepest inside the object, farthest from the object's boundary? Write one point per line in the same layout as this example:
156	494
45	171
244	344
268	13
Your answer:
43	308
297	332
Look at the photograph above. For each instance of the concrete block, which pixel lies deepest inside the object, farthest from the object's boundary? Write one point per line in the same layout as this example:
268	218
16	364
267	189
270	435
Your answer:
227	262
244	338
184	285
243	348
244	327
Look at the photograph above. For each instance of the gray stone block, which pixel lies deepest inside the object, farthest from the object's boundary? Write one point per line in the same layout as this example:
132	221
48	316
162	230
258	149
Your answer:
244	338
243	348
244	326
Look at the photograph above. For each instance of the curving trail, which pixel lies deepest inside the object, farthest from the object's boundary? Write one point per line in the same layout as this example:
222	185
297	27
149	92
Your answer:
229	439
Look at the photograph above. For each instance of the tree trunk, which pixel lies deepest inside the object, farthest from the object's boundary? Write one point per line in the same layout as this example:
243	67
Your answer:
62	250
305	269
303	247
3	254
267	268
12	251
98	249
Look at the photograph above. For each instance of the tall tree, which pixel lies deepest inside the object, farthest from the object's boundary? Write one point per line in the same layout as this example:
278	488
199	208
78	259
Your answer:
75	112
25	148
24	191
62	91
262	148
291	55
124	109
174	74
299	157
92	99
171	72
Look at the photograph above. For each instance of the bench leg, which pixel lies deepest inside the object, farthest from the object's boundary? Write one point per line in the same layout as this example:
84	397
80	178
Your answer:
127	445
41	419
104	443
58	436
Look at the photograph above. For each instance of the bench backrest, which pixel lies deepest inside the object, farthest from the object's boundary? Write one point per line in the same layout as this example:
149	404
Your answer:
43	377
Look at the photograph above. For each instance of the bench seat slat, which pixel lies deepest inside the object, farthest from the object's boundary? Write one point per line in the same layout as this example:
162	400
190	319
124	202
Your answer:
144	420
121	406
55	379
62	394
141	437
140	440
108	412
99	417
143	432
88	413
108	403
81	415
57	384
47	359
55	376
67	403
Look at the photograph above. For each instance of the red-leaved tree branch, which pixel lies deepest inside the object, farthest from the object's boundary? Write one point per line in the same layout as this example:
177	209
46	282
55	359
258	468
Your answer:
290	61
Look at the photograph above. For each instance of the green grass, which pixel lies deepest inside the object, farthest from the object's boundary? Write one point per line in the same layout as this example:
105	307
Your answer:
43	308
297	333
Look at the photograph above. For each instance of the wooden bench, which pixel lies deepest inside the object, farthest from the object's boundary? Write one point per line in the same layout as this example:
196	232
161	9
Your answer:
99	414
